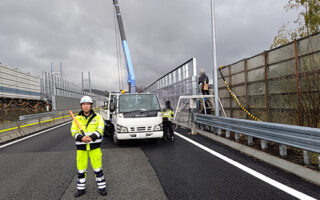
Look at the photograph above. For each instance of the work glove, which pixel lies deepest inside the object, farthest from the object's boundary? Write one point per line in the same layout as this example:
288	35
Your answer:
79	137
94	135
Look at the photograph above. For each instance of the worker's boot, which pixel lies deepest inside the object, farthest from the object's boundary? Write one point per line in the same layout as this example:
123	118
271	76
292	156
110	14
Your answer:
79	193
103	192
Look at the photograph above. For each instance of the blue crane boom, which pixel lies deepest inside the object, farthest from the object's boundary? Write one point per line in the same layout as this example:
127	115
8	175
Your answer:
131	77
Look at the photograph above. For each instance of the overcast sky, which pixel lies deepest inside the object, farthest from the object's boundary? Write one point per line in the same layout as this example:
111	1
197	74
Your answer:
161	34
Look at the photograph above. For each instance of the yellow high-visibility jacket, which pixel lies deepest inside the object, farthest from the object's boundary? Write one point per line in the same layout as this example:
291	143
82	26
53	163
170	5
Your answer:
167	114
92	126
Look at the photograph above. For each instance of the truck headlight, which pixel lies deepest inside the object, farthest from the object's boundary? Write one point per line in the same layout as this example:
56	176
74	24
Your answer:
121	129
158	127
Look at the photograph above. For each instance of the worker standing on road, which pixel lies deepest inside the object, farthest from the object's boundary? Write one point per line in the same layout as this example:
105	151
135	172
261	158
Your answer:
88	145
203	82
167	117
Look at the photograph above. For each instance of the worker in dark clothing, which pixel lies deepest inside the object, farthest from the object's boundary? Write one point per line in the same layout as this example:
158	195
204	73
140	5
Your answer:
203	82
167	117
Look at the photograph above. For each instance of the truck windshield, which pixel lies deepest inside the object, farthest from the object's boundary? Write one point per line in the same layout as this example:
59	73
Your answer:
138	102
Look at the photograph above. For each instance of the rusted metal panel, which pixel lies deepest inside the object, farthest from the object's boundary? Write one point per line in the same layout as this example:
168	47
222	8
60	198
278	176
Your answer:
266	84
299	99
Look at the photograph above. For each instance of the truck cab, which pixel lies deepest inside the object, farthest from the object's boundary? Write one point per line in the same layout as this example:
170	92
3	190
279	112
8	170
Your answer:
133	116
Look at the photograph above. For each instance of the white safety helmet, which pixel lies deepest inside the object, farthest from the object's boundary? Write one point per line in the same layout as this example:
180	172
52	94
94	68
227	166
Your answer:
86	99
201	71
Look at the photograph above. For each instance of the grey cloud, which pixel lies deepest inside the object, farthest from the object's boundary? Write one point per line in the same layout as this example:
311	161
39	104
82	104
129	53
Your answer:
161	35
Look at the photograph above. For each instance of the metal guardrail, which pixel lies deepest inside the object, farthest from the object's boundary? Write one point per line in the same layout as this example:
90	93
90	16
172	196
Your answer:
46	114
33	116
295	136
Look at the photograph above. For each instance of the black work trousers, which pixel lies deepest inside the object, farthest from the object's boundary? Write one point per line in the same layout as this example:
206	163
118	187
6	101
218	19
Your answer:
205	92
167	129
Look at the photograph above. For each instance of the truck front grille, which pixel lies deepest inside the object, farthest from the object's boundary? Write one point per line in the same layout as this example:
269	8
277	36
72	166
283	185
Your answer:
141	129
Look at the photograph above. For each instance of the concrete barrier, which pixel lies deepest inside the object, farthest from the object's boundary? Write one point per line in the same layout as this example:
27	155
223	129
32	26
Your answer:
46	122
9	135
14	130
9	130
29	126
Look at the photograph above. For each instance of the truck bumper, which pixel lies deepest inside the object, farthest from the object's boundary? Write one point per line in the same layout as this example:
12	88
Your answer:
137	136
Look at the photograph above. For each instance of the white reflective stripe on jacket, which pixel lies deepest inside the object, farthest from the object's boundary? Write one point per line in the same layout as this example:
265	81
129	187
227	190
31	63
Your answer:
92	142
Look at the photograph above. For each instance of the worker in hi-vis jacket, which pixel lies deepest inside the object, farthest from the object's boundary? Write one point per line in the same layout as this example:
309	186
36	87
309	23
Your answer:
88	143
167	117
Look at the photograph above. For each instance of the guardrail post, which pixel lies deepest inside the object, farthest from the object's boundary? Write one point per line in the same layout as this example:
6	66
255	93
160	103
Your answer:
211	129
219	132
201	126
237	136
194	129
264	145
319	161
227	134
53	121
307	157
283	150
250	140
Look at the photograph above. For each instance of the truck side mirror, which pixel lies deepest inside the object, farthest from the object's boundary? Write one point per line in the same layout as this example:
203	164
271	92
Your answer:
112	107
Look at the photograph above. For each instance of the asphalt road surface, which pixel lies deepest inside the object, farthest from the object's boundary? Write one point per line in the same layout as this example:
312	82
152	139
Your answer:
44	167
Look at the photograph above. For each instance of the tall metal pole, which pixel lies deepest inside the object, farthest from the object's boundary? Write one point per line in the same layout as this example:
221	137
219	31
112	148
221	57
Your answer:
82	88
51	79
215	69
89	82
54	94
51	68
61	70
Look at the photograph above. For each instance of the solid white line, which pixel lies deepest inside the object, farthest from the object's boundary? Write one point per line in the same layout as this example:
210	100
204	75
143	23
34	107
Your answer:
254	173
24	138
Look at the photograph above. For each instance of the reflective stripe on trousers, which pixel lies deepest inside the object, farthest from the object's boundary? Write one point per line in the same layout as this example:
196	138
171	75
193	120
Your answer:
96	163
81	183
101	182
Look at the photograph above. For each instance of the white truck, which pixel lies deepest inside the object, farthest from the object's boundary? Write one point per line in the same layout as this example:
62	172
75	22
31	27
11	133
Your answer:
133	116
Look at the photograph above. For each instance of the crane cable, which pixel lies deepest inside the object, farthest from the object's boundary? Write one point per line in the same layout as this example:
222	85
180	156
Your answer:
236	98
116	31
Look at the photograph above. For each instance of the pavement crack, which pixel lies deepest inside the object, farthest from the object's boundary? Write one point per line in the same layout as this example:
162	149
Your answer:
68	185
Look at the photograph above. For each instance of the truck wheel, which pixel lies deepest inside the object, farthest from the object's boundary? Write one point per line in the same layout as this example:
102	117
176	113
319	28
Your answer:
105	132
115	140
109	128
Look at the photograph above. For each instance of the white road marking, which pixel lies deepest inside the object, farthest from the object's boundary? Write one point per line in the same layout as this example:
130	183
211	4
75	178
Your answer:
24	138
250	171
